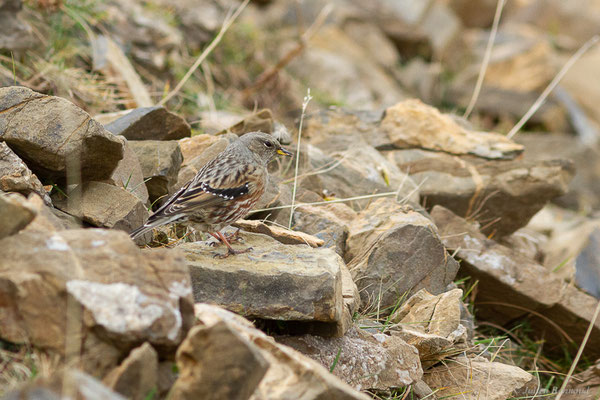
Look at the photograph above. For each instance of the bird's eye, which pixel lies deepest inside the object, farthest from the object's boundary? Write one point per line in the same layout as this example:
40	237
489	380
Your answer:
268	144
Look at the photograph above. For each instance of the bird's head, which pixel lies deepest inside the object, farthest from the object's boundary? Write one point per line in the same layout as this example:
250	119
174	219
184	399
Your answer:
264	146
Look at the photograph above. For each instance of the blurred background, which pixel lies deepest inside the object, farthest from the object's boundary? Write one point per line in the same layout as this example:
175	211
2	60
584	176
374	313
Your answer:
107	56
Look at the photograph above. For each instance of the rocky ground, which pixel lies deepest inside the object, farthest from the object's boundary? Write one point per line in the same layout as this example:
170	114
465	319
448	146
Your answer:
415	250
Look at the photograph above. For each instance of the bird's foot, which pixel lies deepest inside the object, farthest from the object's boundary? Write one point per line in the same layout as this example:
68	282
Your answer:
231	252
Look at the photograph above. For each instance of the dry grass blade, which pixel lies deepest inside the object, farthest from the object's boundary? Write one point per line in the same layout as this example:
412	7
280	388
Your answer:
486	59
540	100
121	65
229	20
318	203
579	352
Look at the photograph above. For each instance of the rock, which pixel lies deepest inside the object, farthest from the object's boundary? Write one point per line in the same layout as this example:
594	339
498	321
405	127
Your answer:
64	136
261	120
570	247
522	64
502	275
137	376
216	362
423	79
15	213
290	375
370	36
511	286
364	360
356	172
196	145
336	129
104	205
432	324
438	315
15	34
280	234
528	243
509	105
345	72
160	161
413	124
150	123
215	121
501	195
49	219
69	383
584	189
579	17
129	175
15	176
328	222
587	266
394	251
304	284
442	27
523	61
113	295
476	378
479	14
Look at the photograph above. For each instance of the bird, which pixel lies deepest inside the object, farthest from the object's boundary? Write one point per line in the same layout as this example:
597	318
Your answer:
223	191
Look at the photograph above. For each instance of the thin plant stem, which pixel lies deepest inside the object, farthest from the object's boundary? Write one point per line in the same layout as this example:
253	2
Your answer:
540	100
307	99
579	352
486	58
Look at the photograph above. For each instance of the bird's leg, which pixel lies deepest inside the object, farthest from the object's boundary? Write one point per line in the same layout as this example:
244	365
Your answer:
218	242
233	237
230	250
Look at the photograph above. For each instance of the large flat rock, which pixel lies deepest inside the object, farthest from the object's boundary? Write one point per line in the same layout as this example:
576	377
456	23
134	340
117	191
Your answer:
366	361
273	281
413	124
503	195
216	362
97	283
52	135
289	374
476	378
512	286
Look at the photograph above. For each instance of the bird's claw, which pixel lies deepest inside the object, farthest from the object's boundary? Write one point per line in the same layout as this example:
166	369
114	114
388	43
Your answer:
232	252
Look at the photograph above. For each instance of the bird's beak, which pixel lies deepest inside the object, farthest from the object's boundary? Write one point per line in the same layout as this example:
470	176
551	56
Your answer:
283	152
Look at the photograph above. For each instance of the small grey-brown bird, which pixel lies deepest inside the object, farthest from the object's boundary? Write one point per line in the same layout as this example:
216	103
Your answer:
224	190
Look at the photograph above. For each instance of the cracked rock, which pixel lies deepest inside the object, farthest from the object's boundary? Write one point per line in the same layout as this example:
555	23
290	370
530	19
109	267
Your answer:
54	137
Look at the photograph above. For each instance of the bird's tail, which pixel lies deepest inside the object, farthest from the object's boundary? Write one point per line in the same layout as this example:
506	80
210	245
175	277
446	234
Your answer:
140	231
154	221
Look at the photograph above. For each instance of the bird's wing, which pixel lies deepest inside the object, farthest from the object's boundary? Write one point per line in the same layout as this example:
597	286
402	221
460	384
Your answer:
208	189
